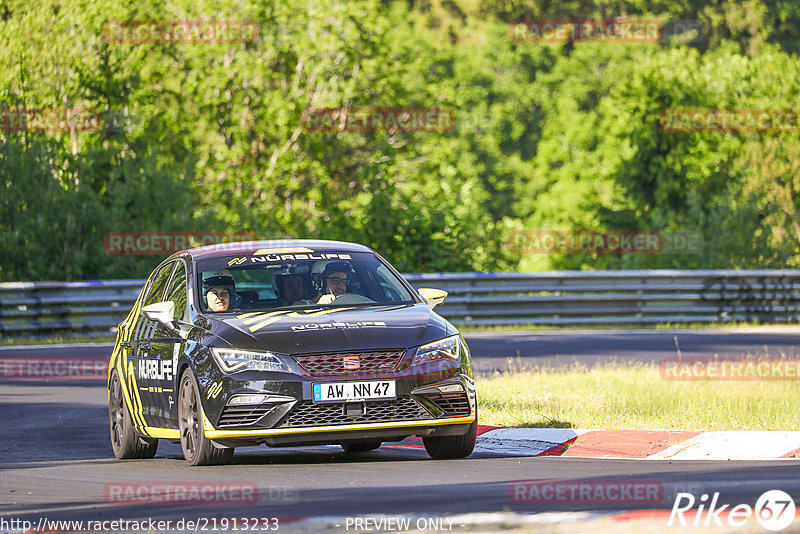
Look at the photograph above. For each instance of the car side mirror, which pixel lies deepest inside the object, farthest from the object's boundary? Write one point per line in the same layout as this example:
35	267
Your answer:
162	312
433	297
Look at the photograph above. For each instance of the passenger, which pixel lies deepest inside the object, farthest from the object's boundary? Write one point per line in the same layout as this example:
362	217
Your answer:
291	290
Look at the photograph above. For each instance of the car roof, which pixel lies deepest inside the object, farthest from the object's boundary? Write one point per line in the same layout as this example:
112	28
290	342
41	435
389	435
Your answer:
279	246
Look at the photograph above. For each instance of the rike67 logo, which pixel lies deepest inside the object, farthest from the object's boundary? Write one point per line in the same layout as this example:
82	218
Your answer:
774	510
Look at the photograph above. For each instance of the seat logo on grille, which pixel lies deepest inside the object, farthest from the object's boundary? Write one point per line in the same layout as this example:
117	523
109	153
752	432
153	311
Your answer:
351	363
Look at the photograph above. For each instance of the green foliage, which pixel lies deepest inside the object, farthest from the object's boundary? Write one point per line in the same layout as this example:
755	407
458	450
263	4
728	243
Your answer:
210	137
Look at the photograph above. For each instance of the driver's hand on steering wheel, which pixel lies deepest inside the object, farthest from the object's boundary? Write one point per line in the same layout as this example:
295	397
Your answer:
326	299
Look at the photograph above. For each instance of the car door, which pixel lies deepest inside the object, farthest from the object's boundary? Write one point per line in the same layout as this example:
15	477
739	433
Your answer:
150	369
165	347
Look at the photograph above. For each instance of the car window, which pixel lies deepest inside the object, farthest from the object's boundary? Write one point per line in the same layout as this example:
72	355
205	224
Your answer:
259	282
159	281
176	291
393	290
288	280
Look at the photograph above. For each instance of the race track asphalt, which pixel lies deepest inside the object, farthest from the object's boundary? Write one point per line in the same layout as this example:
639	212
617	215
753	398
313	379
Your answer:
56	461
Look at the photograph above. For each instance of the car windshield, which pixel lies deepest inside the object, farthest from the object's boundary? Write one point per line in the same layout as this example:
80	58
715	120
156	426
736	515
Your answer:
270	281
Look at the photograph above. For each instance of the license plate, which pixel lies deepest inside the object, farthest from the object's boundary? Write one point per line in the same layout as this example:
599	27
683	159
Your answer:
347	391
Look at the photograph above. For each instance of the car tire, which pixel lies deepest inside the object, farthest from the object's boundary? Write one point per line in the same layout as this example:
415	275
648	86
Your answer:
197	448
444	447
124	441
361	446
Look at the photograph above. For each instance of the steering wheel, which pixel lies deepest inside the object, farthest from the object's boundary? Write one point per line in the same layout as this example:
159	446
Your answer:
352	298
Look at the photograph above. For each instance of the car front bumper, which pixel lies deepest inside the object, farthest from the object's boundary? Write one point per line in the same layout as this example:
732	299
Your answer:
420	408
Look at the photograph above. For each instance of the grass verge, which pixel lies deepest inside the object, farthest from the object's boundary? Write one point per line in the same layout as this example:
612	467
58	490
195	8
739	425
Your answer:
620	396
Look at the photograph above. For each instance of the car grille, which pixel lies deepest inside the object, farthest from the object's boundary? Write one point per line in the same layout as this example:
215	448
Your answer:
306	413
333	365
242	415
450	403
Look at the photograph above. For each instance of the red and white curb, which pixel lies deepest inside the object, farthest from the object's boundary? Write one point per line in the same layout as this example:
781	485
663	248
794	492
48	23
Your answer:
633	444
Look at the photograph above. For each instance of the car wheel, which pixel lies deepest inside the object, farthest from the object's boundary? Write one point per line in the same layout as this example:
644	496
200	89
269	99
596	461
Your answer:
197	448
124	441
441	447
361	446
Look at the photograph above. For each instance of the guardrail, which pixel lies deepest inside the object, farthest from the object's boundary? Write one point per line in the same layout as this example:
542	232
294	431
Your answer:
544	298
95	307
617	297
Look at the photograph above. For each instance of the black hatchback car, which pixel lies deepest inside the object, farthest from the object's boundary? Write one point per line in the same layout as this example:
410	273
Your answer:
291	343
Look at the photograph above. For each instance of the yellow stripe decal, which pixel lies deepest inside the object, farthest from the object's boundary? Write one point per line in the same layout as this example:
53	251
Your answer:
164	433
115	355
274	317
214	434
260	316
127	378
248	314
136	402
315	314
126	393
262	324
124	386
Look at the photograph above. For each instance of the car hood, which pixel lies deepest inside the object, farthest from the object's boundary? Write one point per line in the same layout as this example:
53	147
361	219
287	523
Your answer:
347	328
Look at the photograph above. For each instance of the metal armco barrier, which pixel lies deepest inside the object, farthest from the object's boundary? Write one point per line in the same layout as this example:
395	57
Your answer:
65	308
617	297
541	298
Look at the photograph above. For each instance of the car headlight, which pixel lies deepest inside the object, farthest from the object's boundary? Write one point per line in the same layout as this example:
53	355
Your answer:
448	348
230	360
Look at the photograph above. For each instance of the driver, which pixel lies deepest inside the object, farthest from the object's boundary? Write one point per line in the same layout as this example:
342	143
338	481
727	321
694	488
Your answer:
218	287
335	281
